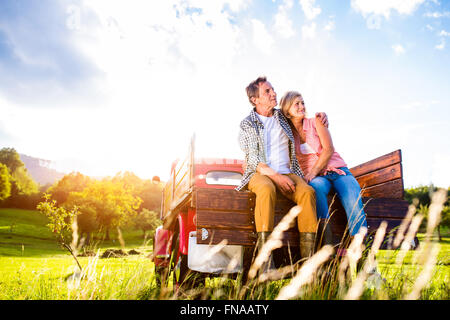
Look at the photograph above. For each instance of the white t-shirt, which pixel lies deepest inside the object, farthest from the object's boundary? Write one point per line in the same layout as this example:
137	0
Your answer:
276	145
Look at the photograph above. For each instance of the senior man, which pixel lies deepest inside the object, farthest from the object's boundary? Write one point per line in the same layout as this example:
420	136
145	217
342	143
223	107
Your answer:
268	143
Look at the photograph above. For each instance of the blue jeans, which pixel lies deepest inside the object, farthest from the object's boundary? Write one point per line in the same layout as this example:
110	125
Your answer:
348	191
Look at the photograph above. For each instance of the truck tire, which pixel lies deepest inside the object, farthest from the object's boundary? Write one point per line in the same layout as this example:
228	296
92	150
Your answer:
183	277
161	272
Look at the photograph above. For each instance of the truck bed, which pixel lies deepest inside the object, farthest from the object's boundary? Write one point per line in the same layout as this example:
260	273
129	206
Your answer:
228	214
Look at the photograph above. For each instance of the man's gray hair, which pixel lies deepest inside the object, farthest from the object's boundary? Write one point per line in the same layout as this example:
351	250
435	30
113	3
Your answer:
253	89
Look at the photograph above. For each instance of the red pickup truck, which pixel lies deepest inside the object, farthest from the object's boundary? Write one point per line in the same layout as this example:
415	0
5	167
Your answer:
200	209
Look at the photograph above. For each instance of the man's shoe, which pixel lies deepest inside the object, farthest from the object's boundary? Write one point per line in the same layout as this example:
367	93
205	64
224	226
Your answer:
269	265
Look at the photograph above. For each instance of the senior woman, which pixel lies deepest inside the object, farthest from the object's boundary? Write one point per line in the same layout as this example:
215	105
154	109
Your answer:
323	167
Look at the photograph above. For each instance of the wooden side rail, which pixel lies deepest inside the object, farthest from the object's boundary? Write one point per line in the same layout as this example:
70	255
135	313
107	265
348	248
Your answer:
225	214
381	177
179	186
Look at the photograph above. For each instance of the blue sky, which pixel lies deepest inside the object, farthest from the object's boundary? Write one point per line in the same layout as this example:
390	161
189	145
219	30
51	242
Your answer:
102	86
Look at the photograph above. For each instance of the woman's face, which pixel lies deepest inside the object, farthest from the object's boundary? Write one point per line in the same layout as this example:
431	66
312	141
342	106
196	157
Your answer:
297	109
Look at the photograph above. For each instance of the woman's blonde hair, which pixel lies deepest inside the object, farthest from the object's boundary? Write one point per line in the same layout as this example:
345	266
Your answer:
287	100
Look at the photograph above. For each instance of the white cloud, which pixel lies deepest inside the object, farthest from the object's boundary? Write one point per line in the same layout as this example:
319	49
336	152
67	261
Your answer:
261	38
441	45
283	25
398	49
384	7
331	25
437	14
309	10
235	5
309	31
158	60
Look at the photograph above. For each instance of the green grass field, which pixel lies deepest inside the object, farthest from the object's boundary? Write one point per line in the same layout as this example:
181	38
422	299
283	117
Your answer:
34	267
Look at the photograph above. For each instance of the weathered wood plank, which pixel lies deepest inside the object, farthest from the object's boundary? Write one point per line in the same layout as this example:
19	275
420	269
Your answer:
241	237
224	199
283	204
380	176
374	223
391	189
339	230
377	163
233	236
385	208
225	219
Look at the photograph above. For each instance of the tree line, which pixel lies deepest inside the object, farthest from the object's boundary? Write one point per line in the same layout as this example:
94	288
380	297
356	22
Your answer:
421	198
124	200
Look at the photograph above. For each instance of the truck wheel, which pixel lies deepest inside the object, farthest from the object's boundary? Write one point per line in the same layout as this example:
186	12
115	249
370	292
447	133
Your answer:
183	277
161	272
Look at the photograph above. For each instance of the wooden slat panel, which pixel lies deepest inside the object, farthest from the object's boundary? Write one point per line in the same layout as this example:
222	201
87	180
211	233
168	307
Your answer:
391	189
224	199
377	210
374	223
234	236
242	237
385	208
225	219
380	176
279	217
167	198
291	238
178	187
378	163
283	204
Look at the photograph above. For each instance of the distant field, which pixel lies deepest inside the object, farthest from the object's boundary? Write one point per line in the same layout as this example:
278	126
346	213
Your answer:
23	233
34	267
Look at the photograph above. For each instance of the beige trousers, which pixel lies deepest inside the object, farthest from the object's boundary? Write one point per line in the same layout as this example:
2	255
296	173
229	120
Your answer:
266	196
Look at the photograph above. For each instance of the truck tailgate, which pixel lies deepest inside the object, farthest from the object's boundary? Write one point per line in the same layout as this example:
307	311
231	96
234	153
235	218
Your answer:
229	214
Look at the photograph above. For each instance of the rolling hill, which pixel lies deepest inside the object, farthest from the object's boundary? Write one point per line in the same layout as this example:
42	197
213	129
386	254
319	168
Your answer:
40	170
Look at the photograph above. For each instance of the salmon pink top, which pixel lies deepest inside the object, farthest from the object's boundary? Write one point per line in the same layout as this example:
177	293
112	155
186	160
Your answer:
308	153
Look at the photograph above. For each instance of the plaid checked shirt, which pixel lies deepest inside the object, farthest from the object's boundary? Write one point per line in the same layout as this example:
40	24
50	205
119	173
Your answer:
251	141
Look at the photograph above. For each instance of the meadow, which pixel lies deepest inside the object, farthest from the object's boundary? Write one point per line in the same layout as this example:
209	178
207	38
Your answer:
34	267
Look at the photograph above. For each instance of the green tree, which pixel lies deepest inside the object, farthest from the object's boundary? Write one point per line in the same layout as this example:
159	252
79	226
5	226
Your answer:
24	190
60	223
150	192
22	183
113	202
25	185
5	182
10	158
421	197
146	220
72	182
422	194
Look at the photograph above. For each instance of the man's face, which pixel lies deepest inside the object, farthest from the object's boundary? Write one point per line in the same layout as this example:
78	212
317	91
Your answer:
267	96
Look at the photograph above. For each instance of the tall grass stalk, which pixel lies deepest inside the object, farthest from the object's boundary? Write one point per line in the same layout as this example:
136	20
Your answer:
274	240
322	276
357	287
306	273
